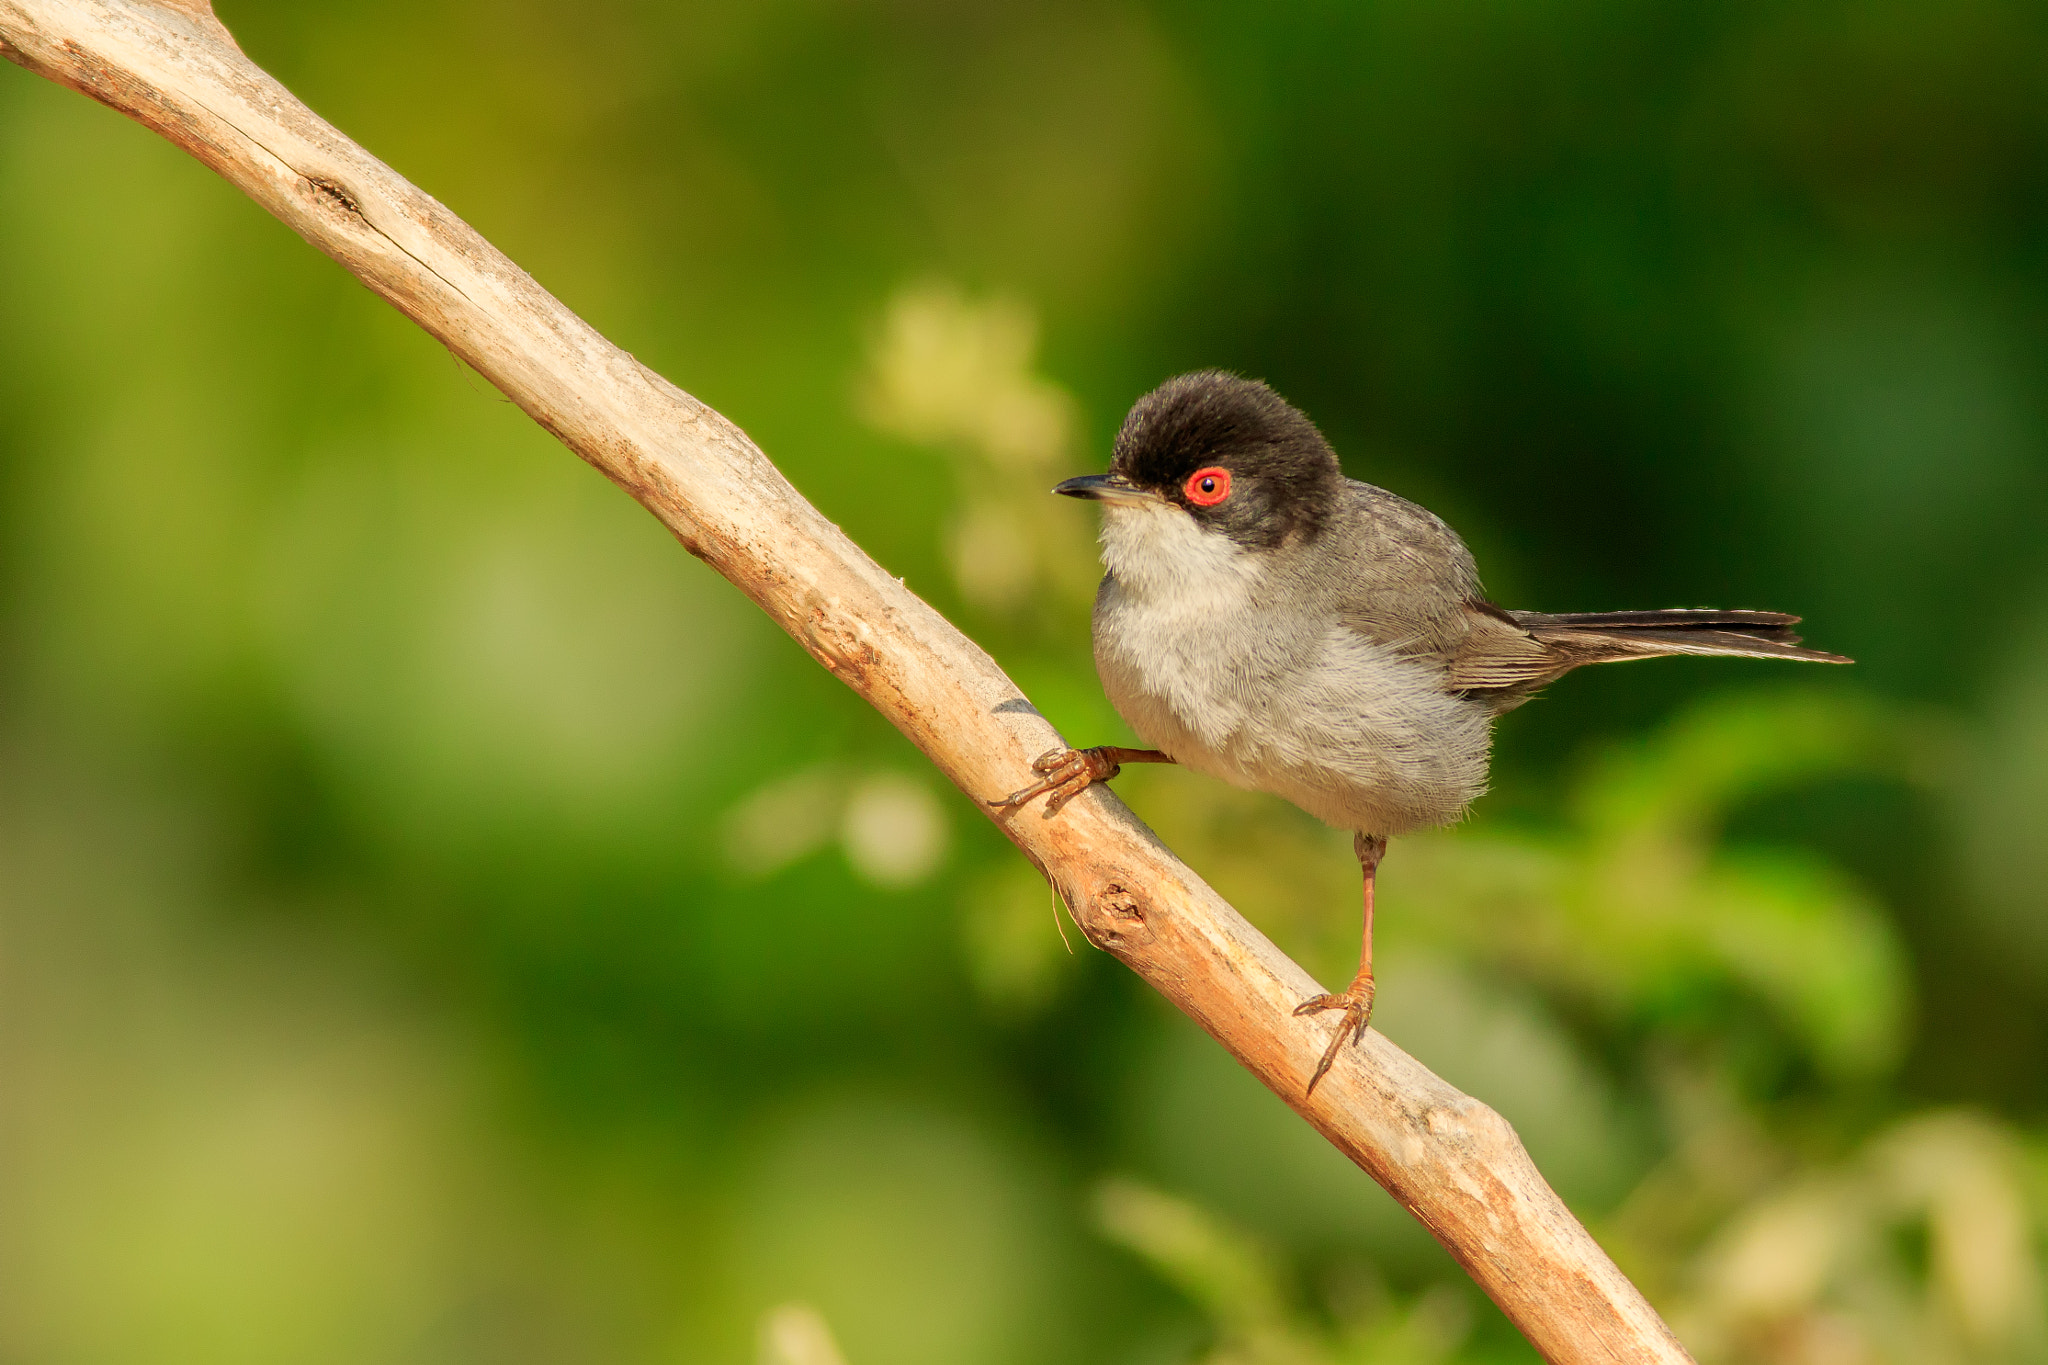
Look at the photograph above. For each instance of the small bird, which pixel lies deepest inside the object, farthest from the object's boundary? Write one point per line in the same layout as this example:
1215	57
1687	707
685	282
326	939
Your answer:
1266	620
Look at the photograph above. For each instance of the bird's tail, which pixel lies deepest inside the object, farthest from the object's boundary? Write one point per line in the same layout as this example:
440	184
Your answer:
1607	636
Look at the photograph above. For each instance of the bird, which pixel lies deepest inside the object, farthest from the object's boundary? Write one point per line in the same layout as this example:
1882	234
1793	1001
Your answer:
1268	621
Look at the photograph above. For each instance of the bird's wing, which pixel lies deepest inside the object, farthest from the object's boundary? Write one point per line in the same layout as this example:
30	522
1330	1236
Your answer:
1497	652
1409	576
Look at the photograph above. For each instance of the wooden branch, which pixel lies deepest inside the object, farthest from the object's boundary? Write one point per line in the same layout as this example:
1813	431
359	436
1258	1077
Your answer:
1454	1163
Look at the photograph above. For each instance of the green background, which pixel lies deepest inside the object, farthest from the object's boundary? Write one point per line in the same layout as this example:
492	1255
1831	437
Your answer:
441	921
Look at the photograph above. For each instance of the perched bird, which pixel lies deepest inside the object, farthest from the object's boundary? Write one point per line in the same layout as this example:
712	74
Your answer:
1270	622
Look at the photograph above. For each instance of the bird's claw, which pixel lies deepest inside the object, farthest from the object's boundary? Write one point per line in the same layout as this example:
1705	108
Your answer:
1357	1006
1065	773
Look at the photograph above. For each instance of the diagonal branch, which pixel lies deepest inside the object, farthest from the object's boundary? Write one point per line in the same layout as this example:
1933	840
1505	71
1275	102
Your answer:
1454	1163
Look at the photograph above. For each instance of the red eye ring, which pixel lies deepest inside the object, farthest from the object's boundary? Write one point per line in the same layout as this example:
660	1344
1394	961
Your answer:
1207	487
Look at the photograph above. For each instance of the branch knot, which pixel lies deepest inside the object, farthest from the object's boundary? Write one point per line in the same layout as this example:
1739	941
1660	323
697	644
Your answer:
333	197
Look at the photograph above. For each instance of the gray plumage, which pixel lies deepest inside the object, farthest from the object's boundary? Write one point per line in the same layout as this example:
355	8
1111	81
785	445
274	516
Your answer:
1282	670
1351	665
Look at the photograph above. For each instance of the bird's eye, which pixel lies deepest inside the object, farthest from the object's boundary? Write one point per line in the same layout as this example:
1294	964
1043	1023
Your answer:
1207	487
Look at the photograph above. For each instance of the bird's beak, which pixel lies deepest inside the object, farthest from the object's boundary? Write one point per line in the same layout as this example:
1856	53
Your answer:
1105	488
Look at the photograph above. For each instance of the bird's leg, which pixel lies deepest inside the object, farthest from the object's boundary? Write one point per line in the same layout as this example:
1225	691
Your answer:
1356	1001
1066	773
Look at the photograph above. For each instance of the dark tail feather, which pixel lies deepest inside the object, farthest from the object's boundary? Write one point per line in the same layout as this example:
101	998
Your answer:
1603	636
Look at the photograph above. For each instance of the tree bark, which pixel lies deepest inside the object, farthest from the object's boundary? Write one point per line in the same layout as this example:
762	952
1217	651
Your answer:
1450	1160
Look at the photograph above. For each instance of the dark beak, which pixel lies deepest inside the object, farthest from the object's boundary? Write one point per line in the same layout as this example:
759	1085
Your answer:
1105	488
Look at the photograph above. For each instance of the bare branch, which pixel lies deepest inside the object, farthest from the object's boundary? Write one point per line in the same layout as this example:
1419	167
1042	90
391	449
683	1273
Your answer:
1450	1160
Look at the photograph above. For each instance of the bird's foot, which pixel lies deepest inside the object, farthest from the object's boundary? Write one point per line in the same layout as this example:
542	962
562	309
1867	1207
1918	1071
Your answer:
1065	773
1357	1006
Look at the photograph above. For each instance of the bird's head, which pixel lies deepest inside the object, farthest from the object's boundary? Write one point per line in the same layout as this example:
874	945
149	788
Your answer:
1224	454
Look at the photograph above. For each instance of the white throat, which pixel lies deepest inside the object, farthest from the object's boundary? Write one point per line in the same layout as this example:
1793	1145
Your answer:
1157	553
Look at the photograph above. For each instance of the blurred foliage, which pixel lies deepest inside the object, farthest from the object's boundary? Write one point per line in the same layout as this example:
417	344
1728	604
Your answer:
1240	1286
440	921
797	1334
